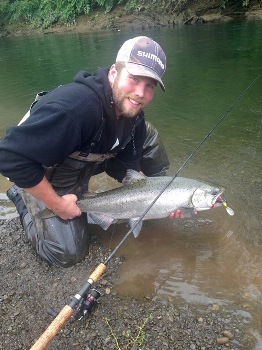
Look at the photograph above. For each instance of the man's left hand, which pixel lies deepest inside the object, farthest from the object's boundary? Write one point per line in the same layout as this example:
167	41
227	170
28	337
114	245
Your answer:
183	213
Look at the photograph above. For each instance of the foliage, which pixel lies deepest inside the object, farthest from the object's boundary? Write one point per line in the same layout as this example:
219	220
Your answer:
107	4
135	5
44	13
224	3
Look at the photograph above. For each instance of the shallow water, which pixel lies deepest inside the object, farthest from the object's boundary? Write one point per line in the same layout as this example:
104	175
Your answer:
212	258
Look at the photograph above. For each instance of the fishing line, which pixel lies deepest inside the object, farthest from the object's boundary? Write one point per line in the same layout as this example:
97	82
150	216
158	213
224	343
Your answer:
181	167
111	237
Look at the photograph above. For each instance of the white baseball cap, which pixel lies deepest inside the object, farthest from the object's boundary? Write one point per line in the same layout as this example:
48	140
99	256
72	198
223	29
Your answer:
143	56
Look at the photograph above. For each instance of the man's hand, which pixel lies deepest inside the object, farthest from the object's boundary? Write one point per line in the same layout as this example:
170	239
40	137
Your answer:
65	207
183	213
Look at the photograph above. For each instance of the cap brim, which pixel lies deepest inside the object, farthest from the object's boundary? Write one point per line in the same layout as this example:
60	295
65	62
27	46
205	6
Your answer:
138	69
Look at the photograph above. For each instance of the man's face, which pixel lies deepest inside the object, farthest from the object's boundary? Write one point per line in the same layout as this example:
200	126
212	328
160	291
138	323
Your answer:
131	94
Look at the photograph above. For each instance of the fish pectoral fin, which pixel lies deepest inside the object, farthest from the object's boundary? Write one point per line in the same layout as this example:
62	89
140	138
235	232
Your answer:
102	220
132	177
136	226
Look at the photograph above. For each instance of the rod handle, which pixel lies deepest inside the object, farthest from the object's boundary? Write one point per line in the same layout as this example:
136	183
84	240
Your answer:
98	272
53	328
63	315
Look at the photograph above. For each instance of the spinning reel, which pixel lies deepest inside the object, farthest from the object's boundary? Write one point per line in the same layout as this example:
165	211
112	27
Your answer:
85	306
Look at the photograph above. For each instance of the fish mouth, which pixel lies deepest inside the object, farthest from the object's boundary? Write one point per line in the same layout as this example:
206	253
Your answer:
218	201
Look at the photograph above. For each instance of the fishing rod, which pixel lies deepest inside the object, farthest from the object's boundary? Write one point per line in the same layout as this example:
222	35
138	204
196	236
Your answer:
83	301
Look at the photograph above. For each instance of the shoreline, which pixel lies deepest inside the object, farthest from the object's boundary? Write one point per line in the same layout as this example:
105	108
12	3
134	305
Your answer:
119	20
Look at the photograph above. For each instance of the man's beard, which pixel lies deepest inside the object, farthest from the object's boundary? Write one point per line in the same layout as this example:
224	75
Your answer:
119	98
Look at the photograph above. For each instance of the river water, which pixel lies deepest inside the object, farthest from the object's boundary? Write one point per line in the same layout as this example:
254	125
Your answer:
213	258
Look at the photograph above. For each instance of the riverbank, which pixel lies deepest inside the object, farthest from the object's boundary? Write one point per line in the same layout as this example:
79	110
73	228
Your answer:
29	286
199	12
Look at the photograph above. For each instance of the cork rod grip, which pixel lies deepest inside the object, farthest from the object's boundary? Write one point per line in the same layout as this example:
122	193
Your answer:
98	272
53	328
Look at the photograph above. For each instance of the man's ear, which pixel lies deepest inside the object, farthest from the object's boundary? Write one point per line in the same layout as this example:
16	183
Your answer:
112	74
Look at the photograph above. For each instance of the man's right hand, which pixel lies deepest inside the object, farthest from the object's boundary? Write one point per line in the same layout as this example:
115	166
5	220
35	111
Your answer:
66	208
63	206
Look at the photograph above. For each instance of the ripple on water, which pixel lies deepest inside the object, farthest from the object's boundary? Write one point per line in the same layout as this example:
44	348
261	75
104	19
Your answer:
196	225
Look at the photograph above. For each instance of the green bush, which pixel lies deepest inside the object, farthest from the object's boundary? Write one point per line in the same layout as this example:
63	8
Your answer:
44	13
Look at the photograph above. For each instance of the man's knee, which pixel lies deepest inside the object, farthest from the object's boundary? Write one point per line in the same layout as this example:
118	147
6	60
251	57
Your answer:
61	256
64	242
61	243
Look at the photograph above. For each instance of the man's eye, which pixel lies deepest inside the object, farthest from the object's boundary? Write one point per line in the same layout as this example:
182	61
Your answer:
135	79
151	86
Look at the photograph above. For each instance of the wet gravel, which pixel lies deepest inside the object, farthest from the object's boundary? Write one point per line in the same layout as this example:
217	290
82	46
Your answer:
29	286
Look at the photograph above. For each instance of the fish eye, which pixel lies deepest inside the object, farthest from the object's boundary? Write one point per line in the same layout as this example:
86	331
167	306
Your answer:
214	191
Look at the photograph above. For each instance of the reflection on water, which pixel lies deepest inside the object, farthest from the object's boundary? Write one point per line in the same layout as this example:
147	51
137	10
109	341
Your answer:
217	271
212	258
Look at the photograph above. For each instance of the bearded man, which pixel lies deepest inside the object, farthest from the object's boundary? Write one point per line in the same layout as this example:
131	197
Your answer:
75	131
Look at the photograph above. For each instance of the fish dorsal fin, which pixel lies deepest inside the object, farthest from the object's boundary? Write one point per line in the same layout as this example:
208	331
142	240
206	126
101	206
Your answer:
132	177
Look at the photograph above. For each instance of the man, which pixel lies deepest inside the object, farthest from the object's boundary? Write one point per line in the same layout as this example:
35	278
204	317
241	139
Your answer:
95	123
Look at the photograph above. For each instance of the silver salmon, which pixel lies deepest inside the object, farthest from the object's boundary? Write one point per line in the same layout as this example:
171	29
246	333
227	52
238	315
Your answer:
129	202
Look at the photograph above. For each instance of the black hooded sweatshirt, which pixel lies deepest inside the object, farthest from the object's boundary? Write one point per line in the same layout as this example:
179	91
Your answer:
66	120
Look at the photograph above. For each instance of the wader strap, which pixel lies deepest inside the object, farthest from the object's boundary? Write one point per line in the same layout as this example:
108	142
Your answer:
91	157
74	169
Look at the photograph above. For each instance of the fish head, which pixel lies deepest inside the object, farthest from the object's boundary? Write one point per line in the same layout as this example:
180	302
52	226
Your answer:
205	198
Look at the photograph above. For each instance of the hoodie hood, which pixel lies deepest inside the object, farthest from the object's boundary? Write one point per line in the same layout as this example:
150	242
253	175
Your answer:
99	83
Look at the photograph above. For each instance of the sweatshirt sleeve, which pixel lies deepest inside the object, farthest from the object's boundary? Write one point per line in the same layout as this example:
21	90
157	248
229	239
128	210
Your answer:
57	126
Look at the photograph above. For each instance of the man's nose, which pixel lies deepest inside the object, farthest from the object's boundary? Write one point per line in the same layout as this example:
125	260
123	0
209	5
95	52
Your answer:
140	90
